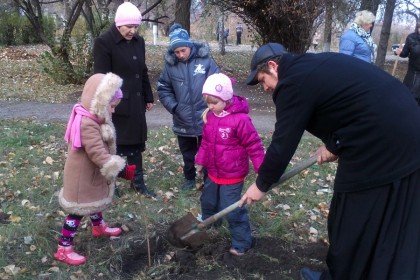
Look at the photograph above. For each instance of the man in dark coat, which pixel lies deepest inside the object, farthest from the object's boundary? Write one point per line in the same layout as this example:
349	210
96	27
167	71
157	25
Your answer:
121	50
370	122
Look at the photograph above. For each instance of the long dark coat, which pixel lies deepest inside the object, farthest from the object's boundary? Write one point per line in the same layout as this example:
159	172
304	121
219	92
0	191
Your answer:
113	53
412	51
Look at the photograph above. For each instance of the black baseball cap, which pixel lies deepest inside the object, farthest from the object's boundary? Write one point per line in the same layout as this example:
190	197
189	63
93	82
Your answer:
263	53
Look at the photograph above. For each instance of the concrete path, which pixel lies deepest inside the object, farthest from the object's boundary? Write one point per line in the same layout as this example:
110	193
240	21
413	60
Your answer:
157	117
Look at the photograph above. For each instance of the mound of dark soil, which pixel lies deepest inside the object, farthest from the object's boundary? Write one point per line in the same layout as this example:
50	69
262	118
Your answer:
270	258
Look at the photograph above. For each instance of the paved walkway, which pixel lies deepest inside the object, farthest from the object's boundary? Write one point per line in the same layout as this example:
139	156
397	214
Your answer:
157	117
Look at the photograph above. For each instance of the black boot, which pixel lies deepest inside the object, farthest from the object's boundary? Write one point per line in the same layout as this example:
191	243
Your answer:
139	185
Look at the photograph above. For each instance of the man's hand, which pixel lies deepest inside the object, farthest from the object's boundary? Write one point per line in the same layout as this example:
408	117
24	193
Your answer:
251	195
324	155
199	170
149	106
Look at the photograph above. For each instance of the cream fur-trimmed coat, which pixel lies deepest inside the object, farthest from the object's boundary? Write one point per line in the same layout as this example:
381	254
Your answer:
90	172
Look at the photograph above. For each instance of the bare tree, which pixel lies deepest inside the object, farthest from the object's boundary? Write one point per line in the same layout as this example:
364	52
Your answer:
182	13
370	5
328	26
220	30
59	48
385	32
97	16
289	21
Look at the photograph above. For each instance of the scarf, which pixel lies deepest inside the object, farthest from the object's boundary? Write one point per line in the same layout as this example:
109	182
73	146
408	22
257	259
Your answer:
73	126
364	35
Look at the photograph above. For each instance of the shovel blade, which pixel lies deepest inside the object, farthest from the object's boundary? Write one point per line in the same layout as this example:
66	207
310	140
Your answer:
184	233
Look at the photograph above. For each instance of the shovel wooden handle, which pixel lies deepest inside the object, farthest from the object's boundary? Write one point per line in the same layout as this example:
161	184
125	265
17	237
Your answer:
286	176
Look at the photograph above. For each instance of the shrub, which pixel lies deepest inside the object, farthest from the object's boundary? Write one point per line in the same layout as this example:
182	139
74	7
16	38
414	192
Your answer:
17	30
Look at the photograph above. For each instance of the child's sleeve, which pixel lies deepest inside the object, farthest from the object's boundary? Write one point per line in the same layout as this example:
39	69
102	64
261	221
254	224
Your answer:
97	150
251	141
201	158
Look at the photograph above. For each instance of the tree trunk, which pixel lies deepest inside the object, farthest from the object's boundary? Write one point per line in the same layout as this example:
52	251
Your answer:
221	25
385	32
328	26
370	5
182	13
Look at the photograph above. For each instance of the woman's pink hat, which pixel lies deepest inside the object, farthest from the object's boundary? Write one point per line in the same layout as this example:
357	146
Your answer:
127	14
218	85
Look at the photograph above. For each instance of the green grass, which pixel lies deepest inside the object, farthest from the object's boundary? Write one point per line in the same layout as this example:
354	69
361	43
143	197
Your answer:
31	163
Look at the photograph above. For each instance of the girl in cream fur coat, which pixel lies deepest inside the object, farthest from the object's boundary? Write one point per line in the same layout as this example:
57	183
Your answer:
91	166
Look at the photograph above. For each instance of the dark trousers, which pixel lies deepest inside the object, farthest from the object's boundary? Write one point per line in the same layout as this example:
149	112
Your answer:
238	38
133	154
375	233
189	148
216	198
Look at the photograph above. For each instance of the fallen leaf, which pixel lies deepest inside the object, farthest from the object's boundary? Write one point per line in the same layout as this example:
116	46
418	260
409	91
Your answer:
24	202
15	219
11	269
54	269
27	239
194	211
49	160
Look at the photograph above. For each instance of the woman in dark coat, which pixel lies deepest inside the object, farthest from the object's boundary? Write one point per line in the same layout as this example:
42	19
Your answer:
411	50
122	51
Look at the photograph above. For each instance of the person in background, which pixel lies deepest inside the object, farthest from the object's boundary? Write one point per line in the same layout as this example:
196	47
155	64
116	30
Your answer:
91	166
122	51
229	141
315	41
357	41
411	50
370	123
239	30
226	35
187	66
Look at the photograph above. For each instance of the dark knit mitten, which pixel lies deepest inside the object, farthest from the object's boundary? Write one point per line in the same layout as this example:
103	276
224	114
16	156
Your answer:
128	172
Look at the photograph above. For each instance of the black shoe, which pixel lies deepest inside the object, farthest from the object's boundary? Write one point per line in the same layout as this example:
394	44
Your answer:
307	274
141	188
188	184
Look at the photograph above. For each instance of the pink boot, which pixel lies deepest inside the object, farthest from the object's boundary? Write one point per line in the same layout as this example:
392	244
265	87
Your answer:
68	256
103	229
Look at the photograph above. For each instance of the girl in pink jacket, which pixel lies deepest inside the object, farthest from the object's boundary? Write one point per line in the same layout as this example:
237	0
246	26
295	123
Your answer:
229	141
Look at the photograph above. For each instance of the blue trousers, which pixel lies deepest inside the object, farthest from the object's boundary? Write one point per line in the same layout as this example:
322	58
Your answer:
216	198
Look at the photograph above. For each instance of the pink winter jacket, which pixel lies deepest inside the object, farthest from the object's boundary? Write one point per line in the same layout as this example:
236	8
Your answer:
229	142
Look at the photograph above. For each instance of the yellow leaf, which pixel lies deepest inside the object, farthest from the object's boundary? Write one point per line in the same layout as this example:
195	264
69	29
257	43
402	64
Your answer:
14	219
194	211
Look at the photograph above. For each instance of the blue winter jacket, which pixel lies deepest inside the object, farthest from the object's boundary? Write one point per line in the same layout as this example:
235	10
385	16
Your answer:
353	45
180	88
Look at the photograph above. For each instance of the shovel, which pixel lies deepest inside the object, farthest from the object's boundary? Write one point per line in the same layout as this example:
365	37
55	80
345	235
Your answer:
188	232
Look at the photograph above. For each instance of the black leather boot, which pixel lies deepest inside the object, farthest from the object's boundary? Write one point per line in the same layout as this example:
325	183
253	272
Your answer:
139	185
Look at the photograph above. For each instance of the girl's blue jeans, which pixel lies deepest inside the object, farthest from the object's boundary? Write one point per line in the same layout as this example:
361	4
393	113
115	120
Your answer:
216	198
